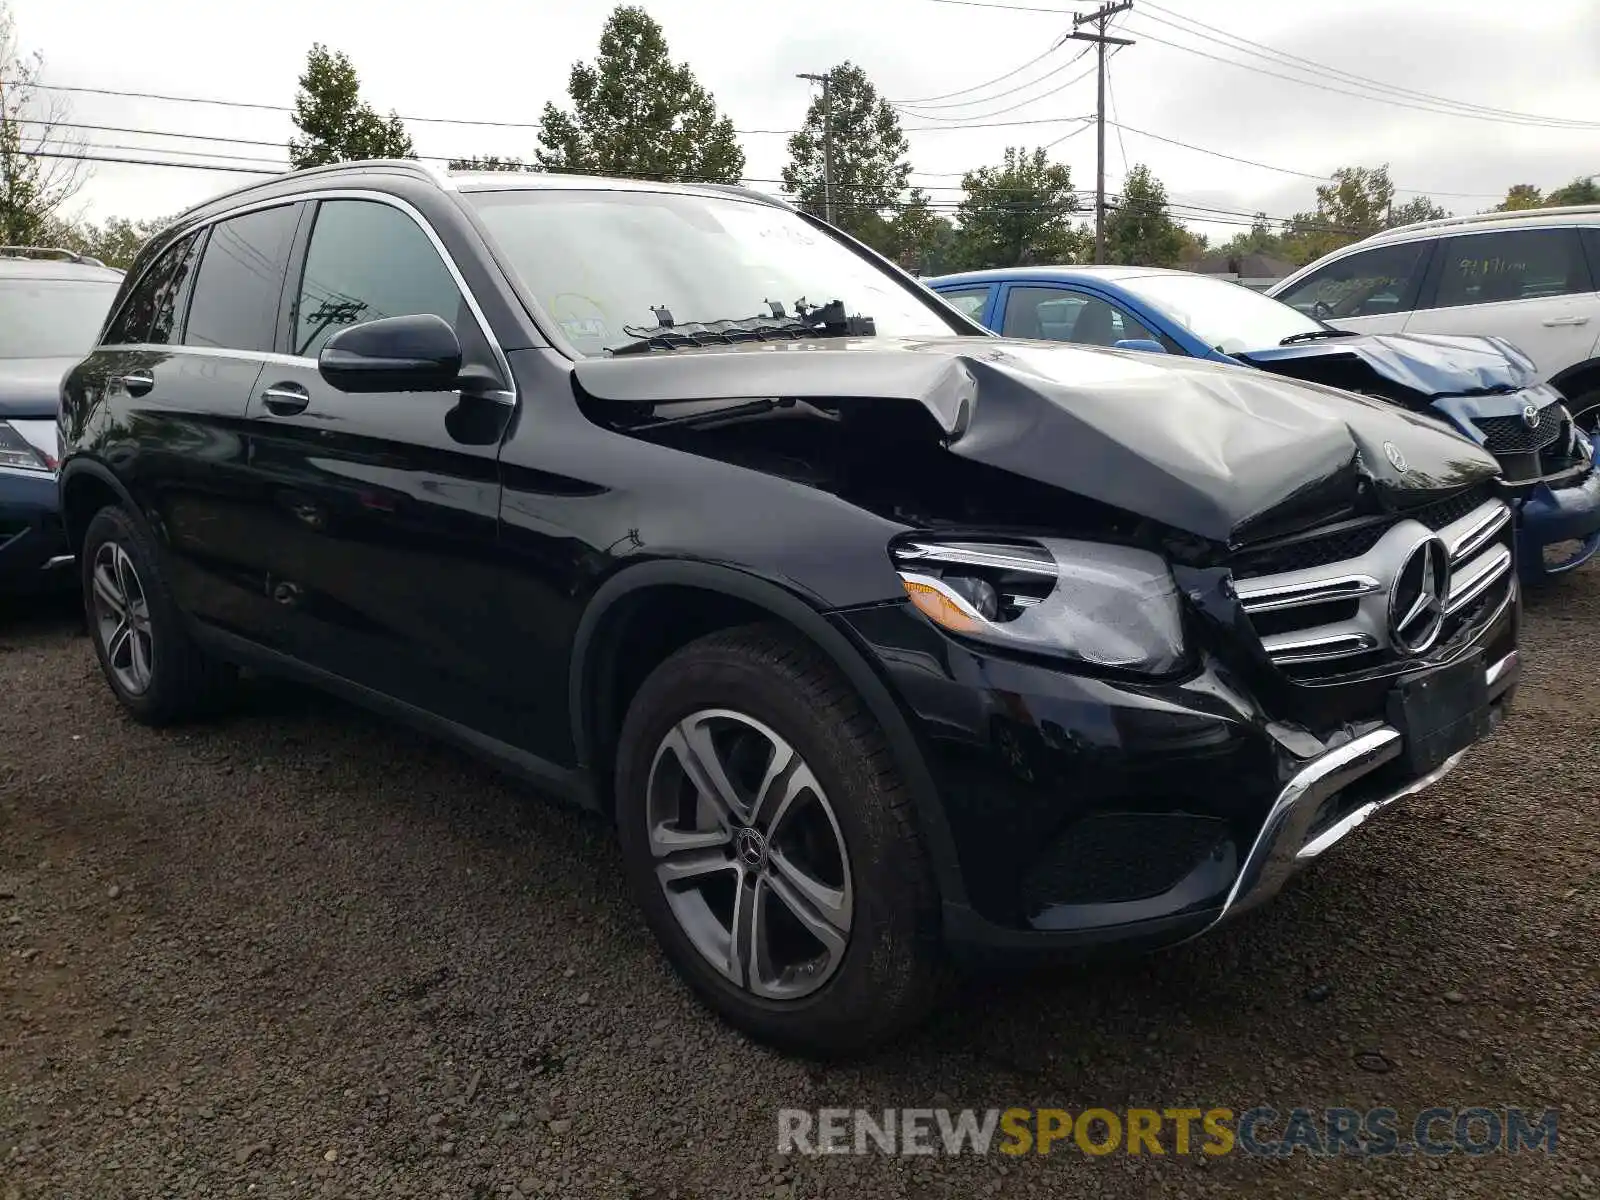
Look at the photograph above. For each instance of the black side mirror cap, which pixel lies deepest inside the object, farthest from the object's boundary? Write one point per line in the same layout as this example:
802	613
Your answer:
415	353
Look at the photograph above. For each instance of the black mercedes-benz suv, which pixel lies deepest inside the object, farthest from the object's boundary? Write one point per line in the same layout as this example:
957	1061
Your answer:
879	638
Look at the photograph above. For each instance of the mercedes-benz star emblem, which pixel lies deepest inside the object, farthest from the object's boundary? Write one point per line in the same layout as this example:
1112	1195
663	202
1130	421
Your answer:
752	848
1530	416
1394	455
1416	603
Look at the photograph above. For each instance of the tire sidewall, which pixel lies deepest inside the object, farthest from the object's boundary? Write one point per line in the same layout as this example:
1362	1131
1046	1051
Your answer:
879	956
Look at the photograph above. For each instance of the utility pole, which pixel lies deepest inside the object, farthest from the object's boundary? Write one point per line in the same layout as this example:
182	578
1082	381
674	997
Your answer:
1100	17
827	142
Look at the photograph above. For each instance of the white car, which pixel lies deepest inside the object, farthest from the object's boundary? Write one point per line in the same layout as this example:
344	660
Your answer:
1529	277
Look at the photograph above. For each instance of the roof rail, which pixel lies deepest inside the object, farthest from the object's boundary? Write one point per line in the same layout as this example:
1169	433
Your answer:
410	166
60	252
1516	214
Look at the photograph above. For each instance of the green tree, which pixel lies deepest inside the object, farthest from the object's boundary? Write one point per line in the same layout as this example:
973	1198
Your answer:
870	168
1355	203
636	113
1019	212
919	238
1582	190
33	188
337	126
1420	209
1520	196
115	242
491	162
1139	230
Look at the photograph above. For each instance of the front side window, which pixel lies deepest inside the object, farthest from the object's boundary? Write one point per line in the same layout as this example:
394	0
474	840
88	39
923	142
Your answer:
367	261
1367	284
1518	264
240	282
1063	316
599	263
52	318
969	301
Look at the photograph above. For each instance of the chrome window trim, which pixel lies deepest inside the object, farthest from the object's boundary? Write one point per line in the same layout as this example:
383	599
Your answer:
405	206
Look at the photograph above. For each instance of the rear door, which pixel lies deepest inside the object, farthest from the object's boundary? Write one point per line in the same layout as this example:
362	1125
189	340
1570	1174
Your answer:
1370	291
378	513
1529	286
179	361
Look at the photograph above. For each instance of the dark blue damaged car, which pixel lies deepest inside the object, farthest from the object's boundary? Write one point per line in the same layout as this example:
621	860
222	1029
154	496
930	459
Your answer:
1484	387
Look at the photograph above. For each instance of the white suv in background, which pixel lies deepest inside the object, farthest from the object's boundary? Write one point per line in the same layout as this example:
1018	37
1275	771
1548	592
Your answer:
1529	277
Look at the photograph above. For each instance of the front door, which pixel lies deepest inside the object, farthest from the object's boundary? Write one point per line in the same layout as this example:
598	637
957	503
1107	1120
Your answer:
380	511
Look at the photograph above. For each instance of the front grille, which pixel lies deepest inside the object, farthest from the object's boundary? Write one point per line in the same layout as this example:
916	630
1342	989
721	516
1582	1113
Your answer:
1335	618
1513	435
1352	539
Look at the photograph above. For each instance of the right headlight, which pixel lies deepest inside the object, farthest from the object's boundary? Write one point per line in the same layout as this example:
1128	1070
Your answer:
1105	605
19	453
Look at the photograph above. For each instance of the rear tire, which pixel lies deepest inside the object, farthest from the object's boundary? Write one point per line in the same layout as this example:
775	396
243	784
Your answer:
1585	410
769	839
146	652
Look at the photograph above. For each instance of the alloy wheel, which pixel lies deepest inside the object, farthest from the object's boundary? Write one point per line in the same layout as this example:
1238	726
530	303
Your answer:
748	852
122	618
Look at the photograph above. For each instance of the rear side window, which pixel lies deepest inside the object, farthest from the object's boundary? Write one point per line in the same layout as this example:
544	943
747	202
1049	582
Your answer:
1368	284
174	291
240	282
971	301
368	261
133	321
1518	264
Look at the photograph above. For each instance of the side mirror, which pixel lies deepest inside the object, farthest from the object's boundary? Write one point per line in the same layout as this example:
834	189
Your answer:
1149	345
417	353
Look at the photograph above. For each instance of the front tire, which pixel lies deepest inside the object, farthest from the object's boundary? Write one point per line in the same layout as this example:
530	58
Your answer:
768	837
146	652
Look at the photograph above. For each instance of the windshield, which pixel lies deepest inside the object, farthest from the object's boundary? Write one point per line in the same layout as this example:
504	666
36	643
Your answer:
601	261
1225	315
52	318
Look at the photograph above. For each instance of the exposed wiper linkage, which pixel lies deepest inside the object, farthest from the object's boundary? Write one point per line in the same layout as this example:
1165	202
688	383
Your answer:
810	320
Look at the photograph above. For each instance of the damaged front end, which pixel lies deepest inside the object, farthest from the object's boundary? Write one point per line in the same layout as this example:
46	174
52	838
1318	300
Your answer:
1490	393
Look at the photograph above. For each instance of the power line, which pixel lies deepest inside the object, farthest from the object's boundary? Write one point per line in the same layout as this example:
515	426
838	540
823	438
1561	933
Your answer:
1000	95
1000	112
978	87
1273	54
1250	162
1057	12
1325	87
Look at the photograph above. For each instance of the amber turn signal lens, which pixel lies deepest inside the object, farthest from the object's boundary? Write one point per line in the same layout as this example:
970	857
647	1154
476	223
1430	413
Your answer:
940	608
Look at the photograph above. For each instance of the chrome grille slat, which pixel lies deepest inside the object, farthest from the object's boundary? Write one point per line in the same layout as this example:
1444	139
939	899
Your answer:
1476	578
1347	604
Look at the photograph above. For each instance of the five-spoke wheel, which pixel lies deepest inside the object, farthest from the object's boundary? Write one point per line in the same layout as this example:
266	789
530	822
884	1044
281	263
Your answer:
749	854
122	618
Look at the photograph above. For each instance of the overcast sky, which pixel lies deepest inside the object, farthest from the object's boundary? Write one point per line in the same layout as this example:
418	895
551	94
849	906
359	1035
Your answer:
502	59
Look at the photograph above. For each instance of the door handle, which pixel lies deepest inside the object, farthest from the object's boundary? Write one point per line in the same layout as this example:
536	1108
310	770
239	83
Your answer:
1552	322
138	383
285	399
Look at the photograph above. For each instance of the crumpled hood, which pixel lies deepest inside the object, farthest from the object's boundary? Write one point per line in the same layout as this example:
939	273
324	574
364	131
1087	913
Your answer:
31	387
1425	366
1223	453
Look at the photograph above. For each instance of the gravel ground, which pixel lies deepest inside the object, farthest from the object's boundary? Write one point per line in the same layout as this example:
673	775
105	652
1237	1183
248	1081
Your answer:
304	952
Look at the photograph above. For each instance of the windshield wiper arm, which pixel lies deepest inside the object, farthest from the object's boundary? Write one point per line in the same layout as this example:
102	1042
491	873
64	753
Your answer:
1316	335
822	320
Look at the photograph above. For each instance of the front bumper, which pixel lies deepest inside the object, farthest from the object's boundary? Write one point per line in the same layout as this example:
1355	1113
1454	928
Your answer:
33	544
1086	812
1548	516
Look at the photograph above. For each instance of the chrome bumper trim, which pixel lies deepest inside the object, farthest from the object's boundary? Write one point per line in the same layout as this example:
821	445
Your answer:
1283	846
59	561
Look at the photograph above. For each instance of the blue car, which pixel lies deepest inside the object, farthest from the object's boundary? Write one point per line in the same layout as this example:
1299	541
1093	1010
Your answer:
1484	387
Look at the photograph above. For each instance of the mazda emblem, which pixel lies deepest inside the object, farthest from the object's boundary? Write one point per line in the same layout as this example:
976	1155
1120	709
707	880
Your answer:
1417	599
1394	455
